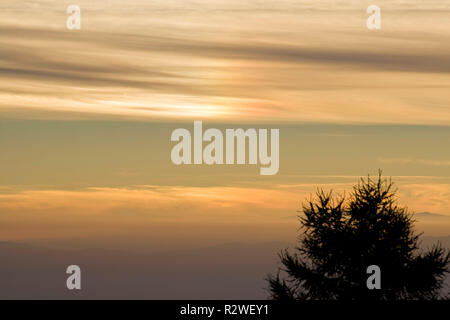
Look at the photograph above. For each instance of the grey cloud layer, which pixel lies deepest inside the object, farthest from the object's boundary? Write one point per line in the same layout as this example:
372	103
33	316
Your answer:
269	52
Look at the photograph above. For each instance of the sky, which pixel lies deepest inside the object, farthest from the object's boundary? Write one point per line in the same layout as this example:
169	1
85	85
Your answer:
86	116
301	61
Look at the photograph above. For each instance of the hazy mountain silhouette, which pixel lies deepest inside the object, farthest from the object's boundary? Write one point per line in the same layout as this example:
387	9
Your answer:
227	271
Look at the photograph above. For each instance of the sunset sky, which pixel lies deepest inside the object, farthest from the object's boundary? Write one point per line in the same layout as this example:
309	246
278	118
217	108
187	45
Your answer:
86	115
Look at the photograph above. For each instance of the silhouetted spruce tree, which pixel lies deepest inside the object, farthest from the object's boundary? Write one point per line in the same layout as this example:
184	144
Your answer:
342	237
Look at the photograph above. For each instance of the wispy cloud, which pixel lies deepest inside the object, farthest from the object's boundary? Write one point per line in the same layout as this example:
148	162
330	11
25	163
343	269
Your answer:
164	63
416	161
